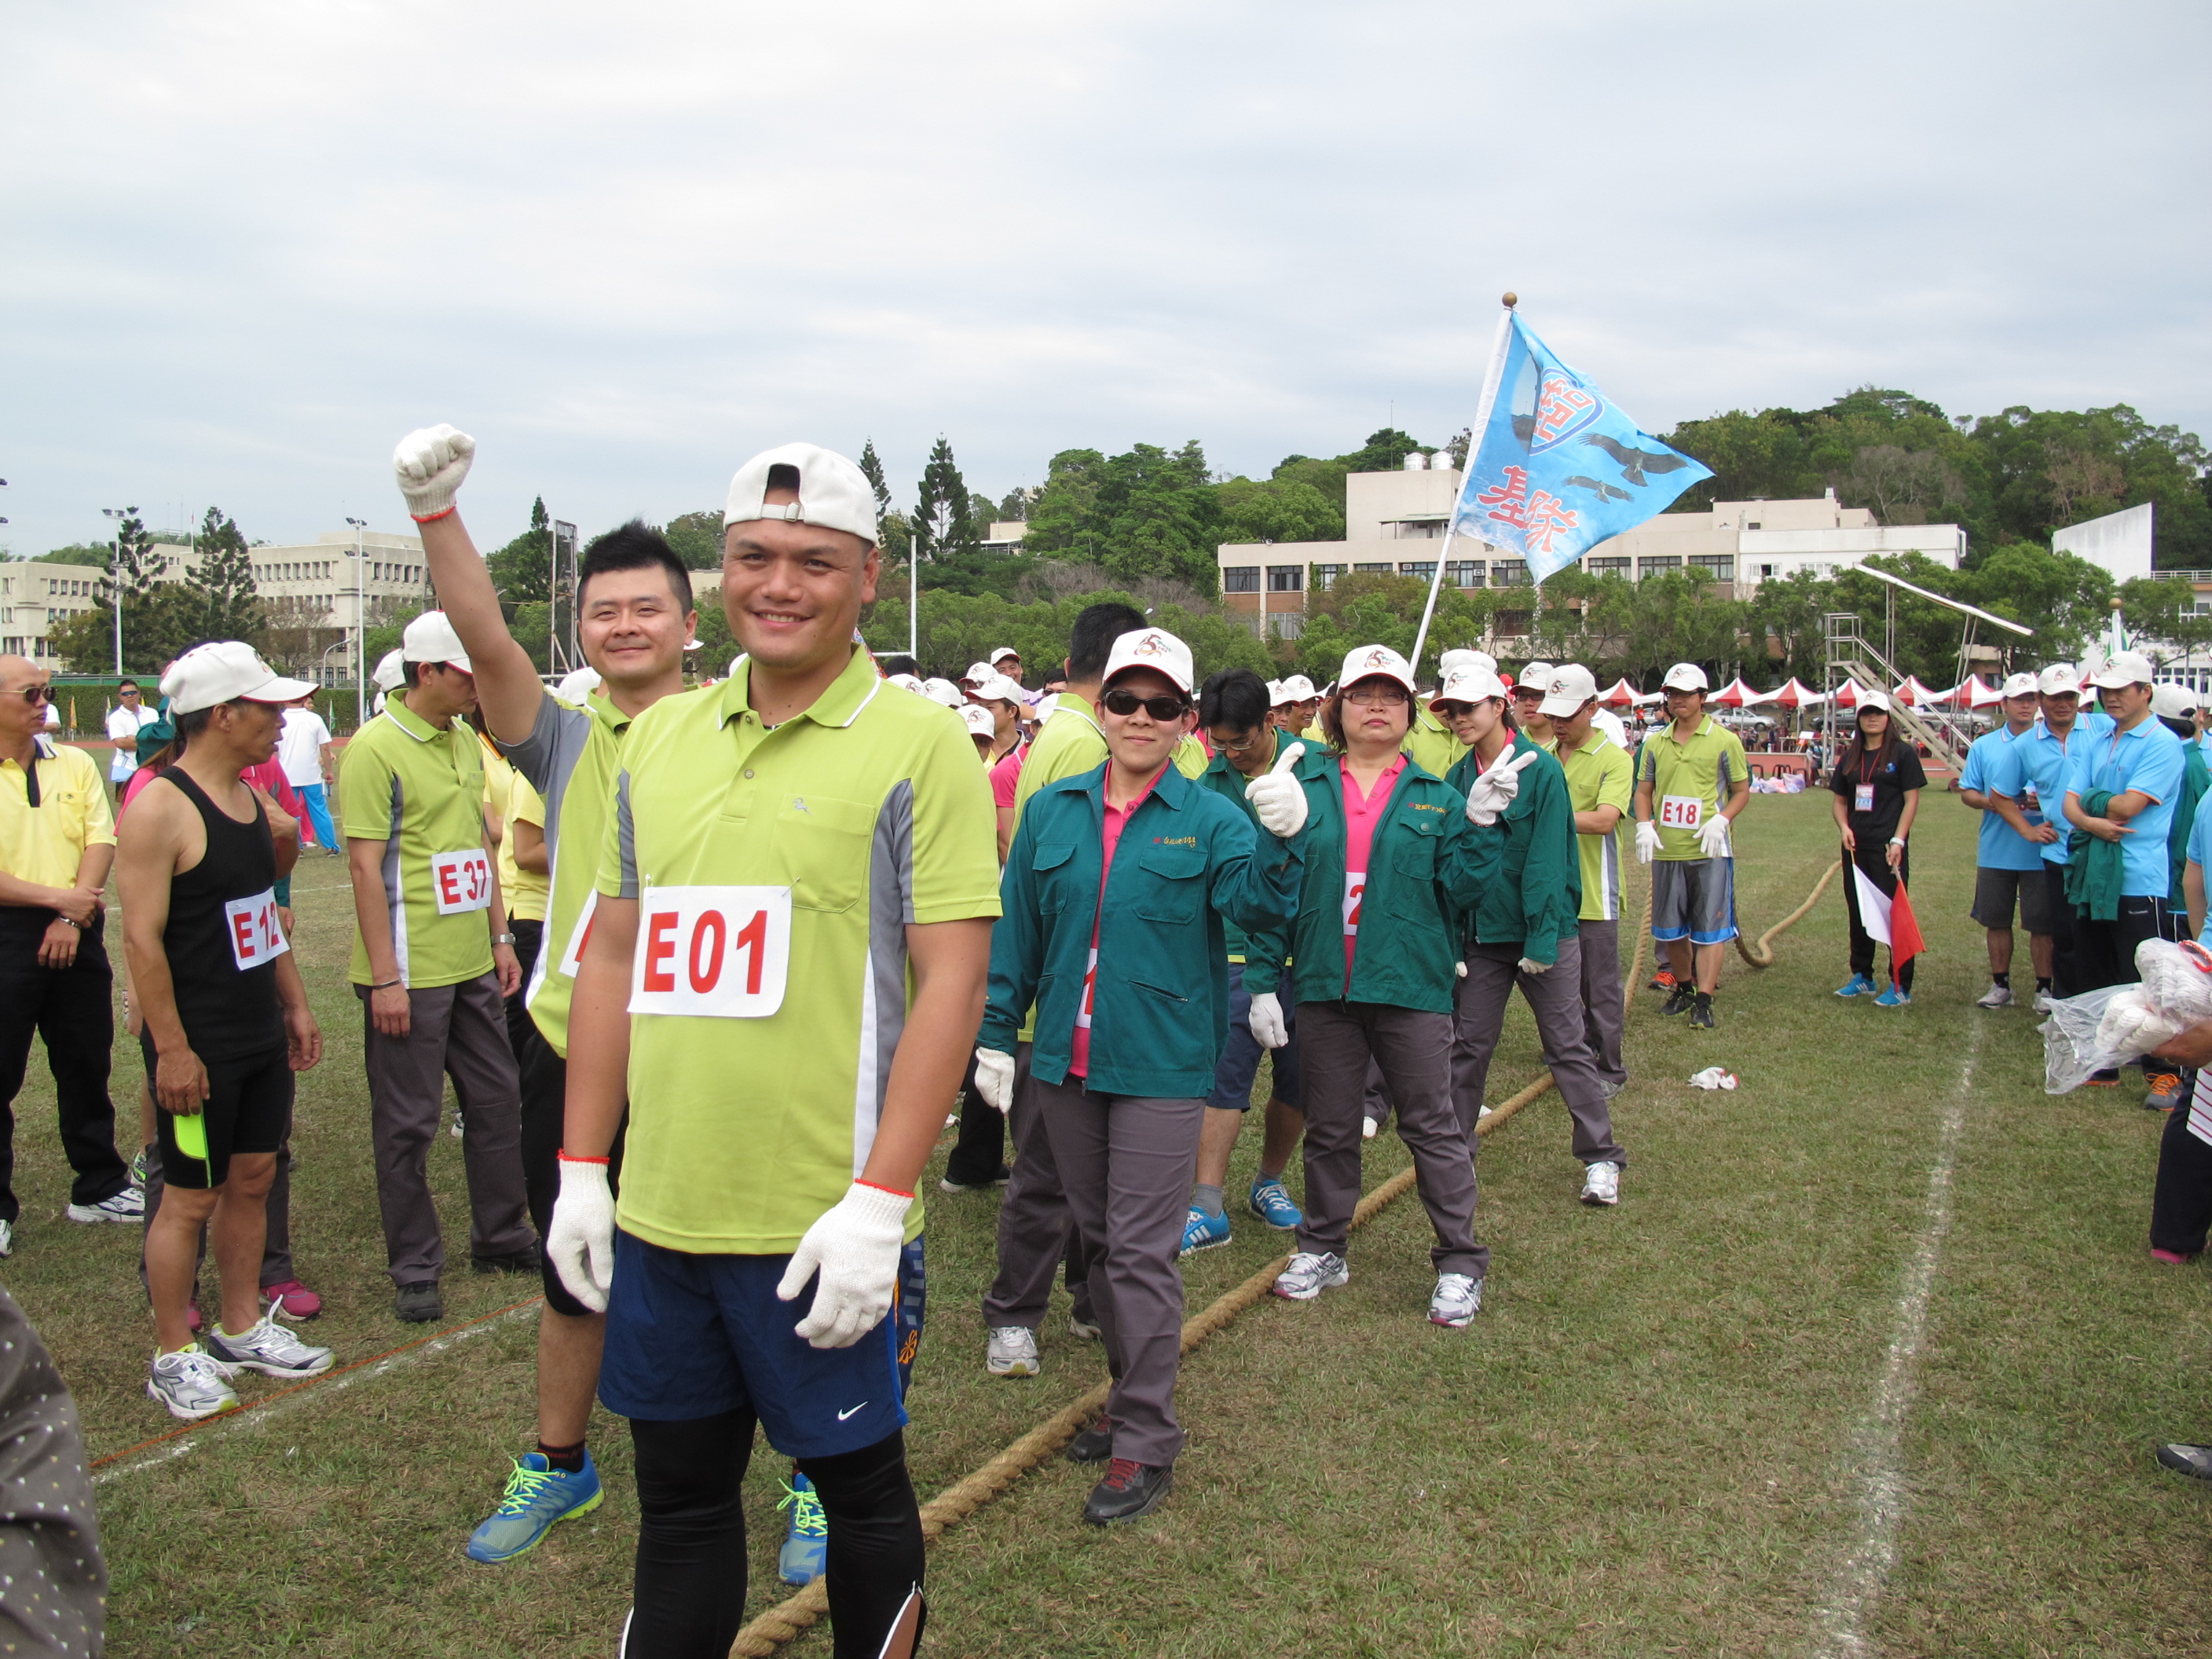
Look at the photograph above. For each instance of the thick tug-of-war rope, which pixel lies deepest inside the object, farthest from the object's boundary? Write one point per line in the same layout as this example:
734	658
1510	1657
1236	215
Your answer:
1761	955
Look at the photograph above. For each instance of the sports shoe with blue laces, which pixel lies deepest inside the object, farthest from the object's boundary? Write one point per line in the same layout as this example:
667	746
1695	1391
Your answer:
806	1543
537	1496
1271	1204
1893	998
1201	1232
1857	985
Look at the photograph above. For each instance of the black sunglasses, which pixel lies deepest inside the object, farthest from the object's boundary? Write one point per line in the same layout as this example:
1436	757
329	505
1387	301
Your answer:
38	694
1123	702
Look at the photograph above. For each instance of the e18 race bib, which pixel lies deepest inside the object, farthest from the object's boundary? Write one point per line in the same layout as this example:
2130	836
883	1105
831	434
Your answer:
1682	812
460	882
254	929
719	953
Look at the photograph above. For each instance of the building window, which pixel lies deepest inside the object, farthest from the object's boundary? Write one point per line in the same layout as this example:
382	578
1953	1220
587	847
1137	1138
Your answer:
1464	573
1286	578
1720	566
1509	573
1325	575
1425	569
1510	623
1766	573
1287	624
1652	566
1609	567
1241	579
1371	569
1420	530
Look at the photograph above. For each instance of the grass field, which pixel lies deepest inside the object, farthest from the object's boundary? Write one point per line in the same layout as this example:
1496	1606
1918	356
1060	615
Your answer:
1660	1435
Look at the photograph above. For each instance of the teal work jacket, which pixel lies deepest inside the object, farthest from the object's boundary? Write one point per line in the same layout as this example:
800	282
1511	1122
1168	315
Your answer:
1423	877
1532	877
1159	1010
1258	953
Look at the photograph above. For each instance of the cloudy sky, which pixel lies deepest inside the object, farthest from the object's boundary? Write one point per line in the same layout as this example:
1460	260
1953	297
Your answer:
248	245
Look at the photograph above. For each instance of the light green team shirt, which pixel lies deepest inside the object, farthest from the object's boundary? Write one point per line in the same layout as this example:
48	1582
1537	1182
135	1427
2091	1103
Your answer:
1599	773
776	873
1433	747
420	790
1690	782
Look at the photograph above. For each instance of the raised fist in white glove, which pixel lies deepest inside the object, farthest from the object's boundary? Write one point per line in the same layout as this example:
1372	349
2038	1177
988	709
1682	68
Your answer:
1530	965
1713	837
1266	1019
581	1237
1278	800
1494	791
429	465
855	1248
994	1078
1647	840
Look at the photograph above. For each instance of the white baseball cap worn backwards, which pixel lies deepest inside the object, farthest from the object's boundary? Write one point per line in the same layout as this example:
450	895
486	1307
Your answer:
833	492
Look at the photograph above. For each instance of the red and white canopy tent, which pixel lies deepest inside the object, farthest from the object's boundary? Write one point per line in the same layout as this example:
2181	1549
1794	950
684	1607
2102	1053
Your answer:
1735	695
1792	694
1973	691
1621	695
1914	695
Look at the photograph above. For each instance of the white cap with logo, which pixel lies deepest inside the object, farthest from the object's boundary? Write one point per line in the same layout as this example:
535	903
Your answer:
2019	685
1466	659
979	721
228	670
1154	649
1002	654
2172	702
943	691
996	688
430	638
1275	697
1469	684
978	670
2123	668
1530	681
833	492
904	681
1872	699
1570	686
2058	679
1368	662
1298	689
390	672
1686	676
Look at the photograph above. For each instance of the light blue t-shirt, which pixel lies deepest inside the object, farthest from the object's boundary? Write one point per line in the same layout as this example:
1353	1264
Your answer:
2031	771
2002	846
2148	759
2200	854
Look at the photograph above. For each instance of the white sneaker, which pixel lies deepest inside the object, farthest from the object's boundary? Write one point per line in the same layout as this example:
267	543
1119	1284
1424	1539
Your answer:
269	1347
127	1205
192	1384
7	1238
1997	996
1013	1352
1457	1300
1309	1274
1368	1126
2043	1002
1601	1183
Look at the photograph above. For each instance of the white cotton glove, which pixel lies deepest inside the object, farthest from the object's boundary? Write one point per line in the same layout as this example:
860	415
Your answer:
1713	837
1265	1020
1494	791
581	1239
1278	800
1647	841
1530	965
855	1248
994	1078
429	465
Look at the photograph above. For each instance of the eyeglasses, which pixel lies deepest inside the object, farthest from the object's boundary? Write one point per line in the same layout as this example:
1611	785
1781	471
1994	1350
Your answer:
1377	697
1250	741
1123	702
38	694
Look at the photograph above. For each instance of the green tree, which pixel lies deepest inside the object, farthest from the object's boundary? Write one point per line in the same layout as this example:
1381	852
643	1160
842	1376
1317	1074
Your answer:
95	554
944	516
871	468
1788	632
696	538
223	585
522	571
1064	522
1277	510
160	618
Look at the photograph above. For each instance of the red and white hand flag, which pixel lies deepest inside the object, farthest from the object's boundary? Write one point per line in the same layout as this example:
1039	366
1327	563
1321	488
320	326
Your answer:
1889	919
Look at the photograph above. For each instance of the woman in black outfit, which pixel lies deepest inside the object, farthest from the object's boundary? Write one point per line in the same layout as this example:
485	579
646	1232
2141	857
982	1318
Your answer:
1877	779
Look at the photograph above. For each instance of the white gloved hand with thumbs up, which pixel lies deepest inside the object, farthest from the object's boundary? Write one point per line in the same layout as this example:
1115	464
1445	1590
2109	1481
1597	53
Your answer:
1494	791
1278	800
429	465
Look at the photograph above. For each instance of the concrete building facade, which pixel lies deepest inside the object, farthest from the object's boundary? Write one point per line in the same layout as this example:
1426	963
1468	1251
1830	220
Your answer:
36	597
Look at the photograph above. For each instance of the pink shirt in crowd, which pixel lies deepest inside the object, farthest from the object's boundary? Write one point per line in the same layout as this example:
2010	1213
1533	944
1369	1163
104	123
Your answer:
1360	818
1005	774
1079	1047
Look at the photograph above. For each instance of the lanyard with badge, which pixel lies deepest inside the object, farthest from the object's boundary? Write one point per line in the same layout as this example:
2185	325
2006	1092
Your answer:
1863	790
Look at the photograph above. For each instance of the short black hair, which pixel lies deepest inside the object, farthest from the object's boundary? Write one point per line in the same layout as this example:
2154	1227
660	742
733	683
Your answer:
127	685
634	546
1235	698
190	726
898	663
1091	641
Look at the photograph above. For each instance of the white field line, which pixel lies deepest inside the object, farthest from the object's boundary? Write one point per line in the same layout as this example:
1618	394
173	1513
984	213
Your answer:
231	1424
1873	1459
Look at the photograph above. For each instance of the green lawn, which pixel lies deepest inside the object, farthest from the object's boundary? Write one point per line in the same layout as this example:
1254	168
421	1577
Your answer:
1645	1444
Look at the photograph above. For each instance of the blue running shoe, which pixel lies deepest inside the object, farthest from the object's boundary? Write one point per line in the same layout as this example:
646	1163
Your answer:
537	1496
1201	1232
807	1545
1271	1204
1892	997
1858	985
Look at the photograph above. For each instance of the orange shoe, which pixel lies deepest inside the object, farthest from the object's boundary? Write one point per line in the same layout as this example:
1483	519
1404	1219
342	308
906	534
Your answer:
2164	1093
1661	980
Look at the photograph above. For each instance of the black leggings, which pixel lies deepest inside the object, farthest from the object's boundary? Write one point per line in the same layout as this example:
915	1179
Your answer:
1875	862
690	1587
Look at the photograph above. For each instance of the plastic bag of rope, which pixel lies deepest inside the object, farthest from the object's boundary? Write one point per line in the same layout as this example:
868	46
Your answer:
2102	1029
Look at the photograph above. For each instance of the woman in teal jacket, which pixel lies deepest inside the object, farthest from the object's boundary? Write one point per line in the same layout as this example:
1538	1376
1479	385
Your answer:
1524	928
1113	895
1390	871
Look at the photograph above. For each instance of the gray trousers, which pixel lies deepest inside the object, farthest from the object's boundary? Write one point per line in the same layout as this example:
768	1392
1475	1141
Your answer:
1336	1042
1556	998
1602	1009
1125	1163
458	1031
1036	1231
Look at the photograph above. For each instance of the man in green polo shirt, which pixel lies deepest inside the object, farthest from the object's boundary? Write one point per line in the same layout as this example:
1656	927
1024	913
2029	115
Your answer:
432	960
1601	788
1691	782
633	615
783	980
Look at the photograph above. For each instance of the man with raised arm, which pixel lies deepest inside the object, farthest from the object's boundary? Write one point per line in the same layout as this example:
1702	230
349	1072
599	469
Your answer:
633	615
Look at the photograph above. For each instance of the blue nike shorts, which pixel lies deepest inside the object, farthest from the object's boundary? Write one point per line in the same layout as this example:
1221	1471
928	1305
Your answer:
692	1336
1240	1055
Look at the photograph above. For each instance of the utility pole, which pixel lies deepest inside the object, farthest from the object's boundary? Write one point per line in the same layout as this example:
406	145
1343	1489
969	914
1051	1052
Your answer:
359	624
115	579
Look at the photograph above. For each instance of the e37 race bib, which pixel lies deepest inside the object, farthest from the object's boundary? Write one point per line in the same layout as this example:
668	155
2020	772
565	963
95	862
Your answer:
721	953
460	882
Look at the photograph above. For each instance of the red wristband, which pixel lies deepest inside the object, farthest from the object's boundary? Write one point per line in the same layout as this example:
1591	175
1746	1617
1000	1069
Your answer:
430	518
567	1156
877	1186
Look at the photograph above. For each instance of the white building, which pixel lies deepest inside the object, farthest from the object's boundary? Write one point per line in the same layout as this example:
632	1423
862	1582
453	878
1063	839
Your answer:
2119	542
34	598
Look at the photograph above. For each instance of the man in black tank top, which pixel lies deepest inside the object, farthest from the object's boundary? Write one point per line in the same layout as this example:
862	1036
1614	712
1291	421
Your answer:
225	1020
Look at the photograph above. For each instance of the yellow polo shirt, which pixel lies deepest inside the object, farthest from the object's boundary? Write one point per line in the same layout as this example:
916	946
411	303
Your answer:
46	843
796	858
1434	746
1690	779
508	793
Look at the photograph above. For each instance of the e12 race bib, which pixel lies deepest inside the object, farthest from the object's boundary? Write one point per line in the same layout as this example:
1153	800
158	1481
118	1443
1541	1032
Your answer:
1682	812
460	882
1355	885
717	952
255	931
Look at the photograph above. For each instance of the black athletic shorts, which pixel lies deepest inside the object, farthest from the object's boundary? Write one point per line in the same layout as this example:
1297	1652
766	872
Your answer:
248	1110
545	1099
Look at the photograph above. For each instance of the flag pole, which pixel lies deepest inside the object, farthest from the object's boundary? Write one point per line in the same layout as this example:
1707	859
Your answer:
1490	382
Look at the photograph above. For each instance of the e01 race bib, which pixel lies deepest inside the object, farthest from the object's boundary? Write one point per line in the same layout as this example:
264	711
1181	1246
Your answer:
1682	812
460	882
718	952
255	931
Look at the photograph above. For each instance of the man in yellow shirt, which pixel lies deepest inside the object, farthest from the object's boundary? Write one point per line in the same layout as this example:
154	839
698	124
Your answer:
56	841
1601	788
